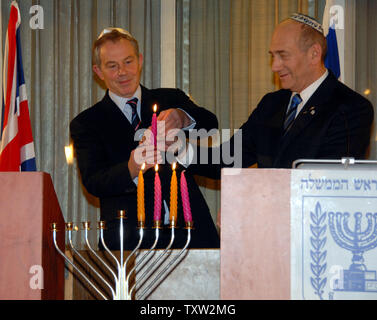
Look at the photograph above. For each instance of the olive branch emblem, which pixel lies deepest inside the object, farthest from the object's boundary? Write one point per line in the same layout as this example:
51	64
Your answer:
318	254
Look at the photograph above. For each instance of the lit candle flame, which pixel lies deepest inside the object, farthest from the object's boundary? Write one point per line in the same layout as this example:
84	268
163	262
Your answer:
174	165
155	108
156	168
69	153
143	167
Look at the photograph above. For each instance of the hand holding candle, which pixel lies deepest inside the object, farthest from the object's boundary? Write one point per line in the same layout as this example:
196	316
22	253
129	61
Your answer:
173	198
173	120
140	197
154	126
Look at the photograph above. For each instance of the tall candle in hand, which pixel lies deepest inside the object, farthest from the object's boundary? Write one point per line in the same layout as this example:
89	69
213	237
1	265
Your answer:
154	126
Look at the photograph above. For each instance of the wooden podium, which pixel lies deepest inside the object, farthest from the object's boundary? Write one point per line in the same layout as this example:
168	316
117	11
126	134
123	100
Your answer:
305	234
30	267
255	234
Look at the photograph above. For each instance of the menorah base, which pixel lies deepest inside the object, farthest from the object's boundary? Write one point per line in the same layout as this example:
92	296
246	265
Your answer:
121	287
80	290
357	280
197	278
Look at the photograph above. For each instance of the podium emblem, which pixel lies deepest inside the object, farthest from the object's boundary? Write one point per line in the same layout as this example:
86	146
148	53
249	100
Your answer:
333	235
357	241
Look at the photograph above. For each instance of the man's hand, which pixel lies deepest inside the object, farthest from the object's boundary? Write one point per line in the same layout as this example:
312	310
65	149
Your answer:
144	153
174	120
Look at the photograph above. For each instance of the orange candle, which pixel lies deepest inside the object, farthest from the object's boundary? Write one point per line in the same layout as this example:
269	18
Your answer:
173	198
140	196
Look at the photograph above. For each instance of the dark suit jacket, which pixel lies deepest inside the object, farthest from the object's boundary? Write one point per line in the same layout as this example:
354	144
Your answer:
334	123
103	141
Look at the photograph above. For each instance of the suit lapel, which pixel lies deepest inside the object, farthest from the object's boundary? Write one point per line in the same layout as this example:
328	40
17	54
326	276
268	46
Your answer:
317	103
115	119
146	107
113	112
277	119
146	110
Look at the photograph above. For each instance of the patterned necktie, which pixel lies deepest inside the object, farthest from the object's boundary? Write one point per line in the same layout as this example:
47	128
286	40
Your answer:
135	120
291	113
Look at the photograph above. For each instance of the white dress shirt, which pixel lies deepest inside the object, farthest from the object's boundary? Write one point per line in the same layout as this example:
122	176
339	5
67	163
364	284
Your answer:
124	107
308	92
127	110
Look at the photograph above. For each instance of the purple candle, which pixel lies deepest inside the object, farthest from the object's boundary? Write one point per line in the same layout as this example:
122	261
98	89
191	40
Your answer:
185	199
157	196
154	126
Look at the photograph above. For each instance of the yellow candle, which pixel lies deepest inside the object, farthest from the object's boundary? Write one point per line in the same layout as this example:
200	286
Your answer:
140	196
173	198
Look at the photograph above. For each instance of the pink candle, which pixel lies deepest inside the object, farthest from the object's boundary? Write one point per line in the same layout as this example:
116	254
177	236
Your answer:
185	199
154	126
157	196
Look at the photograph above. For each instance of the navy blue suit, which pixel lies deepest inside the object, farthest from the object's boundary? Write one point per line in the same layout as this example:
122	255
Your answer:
334	123
104	139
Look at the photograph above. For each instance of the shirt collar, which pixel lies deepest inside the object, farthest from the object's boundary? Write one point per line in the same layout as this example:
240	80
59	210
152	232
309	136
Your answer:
308	92
121	102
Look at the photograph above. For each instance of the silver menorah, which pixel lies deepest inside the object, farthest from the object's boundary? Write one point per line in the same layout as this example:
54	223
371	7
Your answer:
121	288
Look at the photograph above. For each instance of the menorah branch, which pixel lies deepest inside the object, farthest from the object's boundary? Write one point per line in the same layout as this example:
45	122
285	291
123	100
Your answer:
120	289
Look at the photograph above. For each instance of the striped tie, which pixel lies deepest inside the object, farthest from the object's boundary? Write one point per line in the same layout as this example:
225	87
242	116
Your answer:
135	120
291	113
